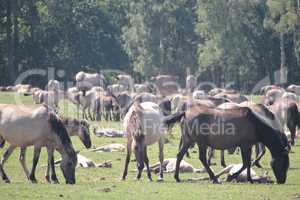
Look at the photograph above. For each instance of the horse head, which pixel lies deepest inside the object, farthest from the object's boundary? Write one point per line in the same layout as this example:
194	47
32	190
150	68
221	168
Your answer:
68	165
280	165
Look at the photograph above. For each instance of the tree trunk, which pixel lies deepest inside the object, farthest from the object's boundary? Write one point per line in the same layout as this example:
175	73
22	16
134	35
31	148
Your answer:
10	43
295	46
34	21
283	74
15	39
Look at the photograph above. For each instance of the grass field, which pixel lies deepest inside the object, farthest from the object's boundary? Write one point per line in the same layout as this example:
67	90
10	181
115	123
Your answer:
99	183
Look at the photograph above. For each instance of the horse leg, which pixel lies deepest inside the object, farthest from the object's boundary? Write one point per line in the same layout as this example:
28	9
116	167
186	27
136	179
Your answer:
161	158
6	155
182	152
47	174
246	164
36	157
292	127
50	152
4	159
202	158
77	110
127	160
223	164
180	145
22	159
260	151
211	153
89	114
3	175
147	164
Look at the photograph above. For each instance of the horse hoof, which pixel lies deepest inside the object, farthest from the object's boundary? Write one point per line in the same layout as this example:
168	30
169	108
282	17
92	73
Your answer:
160	179
149	179
216	181
223	165
258	165
6	180
177	180
33	180
122	179
55	182
229	178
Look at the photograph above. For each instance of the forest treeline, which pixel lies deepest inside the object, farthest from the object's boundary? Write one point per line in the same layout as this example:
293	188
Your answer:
220	41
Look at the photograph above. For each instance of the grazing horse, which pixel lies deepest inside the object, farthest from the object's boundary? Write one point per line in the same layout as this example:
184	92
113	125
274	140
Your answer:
74	128
143	124
39	127
224	129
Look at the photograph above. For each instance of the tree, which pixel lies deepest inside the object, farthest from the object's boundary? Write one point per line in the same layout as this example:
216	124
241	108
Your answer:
234	42
282	18
160	37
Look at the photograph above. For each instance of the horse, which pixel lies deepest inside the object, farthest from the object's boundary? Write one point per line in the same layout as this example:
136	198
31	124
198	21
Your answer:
74	128
91	104
143	124
51	98
287	113
240	127
259	148
23	126
242	177
85	81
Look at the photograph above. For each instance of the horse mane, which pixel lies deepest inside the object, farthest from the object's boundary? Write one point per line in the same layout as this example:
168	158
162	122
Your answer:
272	137
134	124
59	129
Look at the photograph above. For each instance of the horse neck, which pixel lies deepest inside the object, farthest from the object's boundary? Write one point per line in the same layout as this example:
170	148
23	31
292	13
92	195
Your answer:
272	141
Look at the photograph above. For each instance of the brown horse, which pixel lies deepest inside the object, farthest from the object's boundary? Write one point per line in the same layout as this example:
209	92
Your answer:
223	129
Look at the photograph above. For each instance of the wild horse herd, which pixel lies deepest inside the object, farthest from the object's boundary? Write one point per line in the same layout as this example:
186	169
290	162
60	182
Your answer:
219	119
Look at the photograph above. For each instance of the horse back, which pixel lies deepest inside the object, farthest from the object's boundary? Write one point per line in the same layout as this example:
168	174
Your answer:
220	129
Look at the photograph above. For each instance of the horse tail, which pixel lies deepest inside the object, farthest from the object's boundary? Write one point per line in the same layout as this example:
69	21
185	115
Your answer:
41	98
98	110
173	118
293	114
2	142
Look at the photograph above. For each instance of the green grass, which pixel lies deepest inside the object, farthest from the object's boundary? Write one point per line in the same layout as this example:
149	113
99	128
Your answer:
93	183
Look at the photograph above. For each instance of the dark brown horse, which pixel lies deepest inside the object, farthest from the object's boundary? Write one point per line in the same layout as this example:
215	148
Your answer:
223	129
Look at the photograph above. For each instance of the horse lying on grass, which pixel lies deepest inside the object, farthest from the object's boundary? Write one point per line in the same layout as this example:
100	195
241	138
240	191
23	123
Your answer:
242	177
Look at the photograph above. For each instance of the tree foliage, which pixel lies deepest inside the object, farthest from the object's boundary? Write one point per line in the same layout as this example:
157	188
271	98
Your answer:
236	42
